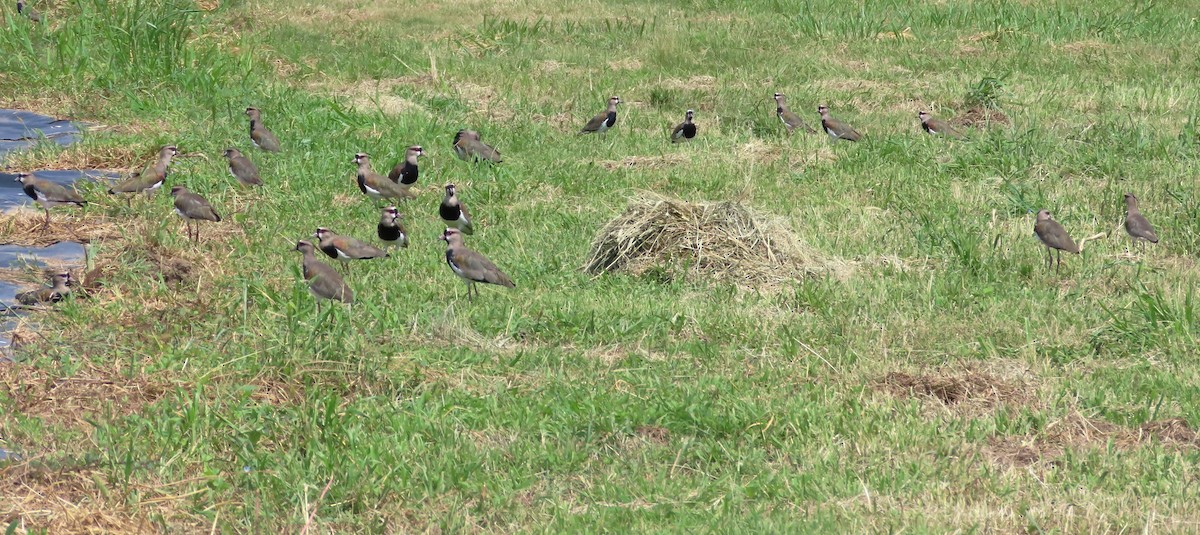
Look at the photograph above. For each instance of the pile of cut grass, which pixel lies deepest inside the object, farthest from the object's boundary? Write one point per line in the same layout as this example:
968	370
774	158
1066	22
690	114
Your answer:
707	240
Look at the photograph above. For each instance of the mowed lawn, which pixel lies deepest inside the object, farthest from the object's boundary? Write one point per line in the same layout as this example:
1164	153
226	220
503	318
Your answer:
927	375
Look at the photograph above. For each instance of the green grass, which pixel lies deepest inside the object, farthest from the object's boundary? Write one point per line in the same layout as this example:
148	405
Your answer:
213	394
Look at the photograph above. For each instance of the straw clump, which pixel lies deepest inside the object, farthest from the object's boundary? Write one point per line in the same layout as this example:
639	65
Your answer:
710	240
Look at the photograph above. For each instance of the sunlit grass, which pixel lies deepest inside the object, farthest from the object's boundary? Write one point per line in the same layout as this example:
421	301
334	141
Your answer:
202	386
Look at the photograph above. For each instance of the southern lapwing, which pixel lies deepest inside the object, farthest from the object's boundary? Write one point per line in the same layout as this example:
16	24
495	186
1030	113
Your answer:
835	128
375	185
192	207
1136	224
52	294
454	213
468	147
937	127
406	172
150	179
789	119
391	228
48	194
29	12
241	168
259	134
602	122
470	265
323	281
686	130
1055	237
345	248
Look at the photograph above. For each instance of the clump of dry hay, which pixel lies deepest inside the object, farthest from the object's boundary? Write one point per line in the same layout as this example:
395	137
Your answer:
722	240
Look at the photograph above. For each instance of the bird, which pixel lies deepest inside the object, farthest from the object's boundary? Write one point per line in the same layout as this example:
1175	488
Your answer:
152	178
52	294
454	213
470	265
1054	236
603	121
323	281
406	172
345	248
468	147
686	130
48	193
259	134
937	127
242	168
191	206
1136	224
29	12
377	186
789	119
391	228
835	128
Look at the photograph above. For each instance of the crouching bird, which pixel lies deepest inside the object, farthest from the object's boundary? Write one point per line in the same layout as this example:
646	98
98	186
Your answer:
51	294
471	266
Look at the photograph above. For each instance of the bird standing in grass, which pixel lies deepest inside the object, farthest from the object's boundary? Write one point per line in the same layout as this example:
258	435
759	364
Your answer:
323	281
468	147
937	127
406	172
241	168
686	130
391	229
152	178
471	266
375	185
259	135
835	128
345	248
454	213
48	194
191	206
23	9
603	121
1136	224
790	120
59	288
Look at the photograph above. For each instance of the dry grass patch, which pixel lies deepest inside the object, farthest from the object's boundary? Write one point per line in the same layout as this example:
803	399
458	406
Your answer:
77	156
644	162
711	240
965	389
68	500
71	401
24	227
980	117
1078	432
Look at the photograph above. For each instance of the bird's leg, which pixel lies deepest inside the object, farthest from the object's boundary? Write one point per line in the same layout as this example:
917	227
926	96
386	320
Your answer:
46	224
1058	266
1049	259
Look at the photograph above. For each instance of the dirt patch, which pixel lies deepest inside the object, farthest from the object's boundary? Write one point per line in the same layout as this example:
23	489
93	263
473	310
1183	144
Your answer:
968	387
375	95
981	117
1078	432
1174	431
709	240
656	434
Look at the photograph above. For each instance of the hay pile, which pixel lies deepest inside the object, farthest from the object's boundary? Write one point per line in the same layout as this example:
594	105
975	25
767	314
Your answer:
721	240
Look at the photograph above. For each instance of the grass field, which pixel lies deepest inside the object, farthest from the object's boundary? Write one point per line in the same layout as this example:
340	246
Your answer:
931	377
